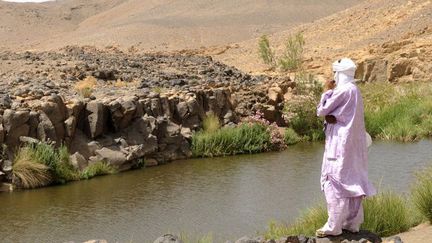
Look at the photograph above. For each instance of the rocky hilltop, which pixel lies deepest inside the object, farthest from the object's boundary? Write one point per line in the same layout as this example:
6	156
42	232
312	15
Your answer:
138	106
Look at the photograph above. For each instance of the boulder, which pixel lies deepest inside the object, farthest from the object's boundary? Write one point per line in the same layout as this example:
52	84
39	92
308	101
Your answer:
168	238
70	126
275	95
114	156
95	118
78	161
45	129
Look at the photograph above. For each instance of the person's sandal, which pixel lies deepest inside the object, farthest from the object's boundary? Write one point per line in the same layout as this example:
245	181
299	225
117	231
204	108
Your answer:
320	234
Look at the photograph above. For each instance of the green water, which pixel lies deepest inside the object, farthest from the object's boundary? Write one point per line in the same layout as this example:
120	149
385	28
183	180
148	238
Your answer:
231	197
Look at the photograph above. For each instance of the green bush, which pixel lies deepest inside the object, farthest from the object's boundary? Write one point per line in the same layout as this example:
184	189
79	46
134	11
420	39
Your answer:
300	112
292	57
97	169
291	137
422	193
265	51
245	138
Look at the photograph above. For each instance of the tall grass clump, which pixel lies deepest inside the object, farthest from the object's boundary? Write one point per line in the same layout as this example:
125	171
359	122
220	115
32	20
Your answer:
97	169
29	173
386	214
243	139
421	193
211	123
265	51
292	57
85	87
311	220
300	112
402	112
56	159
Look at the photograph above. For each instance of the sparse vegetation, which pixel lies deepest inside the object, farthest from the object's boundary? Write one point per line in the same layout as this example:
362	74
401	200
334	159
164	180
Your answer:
265	51
186	238
422	193
85	87
97	169
292	57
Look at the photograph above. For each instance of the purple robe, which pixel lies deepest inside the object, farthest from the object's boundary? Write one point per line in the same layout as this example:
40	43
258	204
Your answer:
345	162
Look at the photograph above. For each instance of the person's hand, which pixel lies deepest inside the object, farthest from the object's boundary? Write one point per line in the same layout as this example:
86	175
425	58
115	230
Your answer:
330	119
329	84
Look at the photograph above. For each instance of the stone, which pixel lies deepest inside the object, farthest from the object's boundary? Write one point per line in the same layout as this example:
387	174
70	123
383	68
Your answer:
394	239
6	187
168	238
113	156
356	237
78	161
95	118
13	119
45	130
246	239
29	140
275	95
186	132
70	126
150	162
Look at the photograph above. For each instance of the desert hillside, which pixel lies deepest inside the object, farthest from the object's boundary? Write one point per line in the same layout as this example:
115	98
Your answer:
153	25
390	40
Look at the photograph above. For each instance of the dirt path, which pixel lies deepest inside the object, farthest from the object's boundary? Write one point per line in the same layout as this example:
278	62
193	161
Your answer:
418	234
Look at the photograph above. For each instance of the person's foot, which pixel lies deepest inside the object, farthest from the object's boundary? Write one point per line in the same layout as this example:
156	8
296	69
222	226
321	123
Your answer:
321	234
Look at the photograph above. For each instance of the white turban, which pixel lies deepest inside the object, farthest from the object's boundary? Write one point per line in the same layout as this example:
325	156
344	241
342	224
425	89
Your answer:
344	70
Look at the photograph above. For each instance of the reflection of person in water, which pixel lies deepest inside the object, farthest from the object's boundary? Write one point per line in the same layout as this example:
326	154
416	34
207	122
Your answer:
344	175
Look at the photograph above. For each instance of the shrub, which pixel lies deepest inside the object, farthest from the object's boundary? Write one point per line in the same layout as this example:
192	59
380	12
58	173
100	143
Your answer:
291	137
245	138
265	51
292	57
422	193
211	123
97	169
85	87
386	214
300	112
29	173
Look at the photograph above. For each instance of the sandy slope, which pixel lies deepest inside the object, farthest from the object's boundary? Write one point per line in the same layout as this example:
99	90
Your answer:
373	29
158	24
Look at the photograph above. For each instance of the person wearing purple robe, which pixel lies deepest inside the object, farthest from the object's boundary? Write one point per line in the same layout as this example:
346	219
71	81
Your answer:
344	173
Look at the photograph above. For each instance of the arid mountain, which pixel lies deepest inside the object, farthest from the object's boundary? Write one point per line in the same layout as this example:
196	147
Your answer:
390	40
153	25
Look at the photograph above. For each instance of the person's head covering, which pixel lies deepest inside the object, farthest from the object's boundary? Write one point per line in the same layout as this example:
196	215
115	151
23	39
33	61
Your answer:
344	70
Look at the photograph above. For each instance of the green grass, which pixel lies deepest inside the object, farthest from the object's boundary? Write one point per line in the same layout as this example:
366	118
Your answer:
385	214
29	173
422	193
97	169
400	112
291	137
56	159
243	139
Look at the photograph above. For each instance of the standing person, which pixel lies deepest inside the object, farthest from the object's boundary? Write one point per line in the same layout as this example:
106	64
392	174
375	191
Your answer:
344	174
